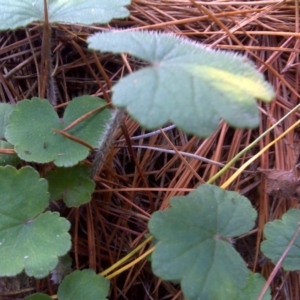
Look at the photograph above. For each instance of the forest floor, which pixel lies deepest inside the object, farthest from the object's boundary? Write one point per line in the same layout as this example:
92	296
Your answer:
135	181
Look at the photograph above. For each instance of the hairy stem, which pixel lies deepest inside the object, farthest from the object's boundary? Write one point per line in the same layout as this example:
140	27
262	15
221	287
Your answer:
107	139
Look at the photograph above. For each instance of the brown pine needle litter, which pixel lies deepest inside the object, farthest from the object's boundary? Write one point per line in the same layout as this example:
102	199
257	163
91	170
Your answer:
136	180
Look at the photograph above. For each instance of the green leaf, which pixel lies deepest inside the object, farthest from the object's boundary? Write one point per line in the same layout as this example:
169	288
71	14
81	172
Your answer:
186	84
5	110
278	235
39	296
32	124
73	184
8	159
253	288
19	13
194	242
85	285
29	238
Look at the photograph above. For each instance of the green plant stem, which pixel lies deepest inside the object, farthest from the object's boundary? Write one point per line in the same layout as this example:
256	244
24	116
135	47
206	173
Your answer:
106	140
125	258
241	153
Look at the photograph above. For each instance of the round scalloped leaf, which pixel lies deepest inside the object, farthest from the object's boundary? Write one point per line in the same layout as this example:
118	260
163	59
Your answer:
19	13
32	124
278	235
5	110
8	159
39	296
73	184
255	284
29	239
85	285
194	242
186	84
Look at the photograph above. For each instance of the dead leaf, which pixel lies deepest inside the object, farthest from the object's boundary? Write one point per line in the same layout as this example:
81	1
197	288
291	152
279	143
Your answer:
285	184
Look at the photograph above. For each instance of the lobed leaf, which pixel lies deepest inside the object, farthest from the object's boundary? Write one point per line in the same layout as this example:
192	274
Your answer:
84	284
73	184
29	239
32	124
194	242
251	291
6	159
187	84
5	110
20	13
278	235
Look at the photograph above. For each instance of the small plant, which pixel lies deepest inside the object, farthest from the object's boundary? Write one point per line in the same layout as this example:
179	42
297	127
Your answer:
193	237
